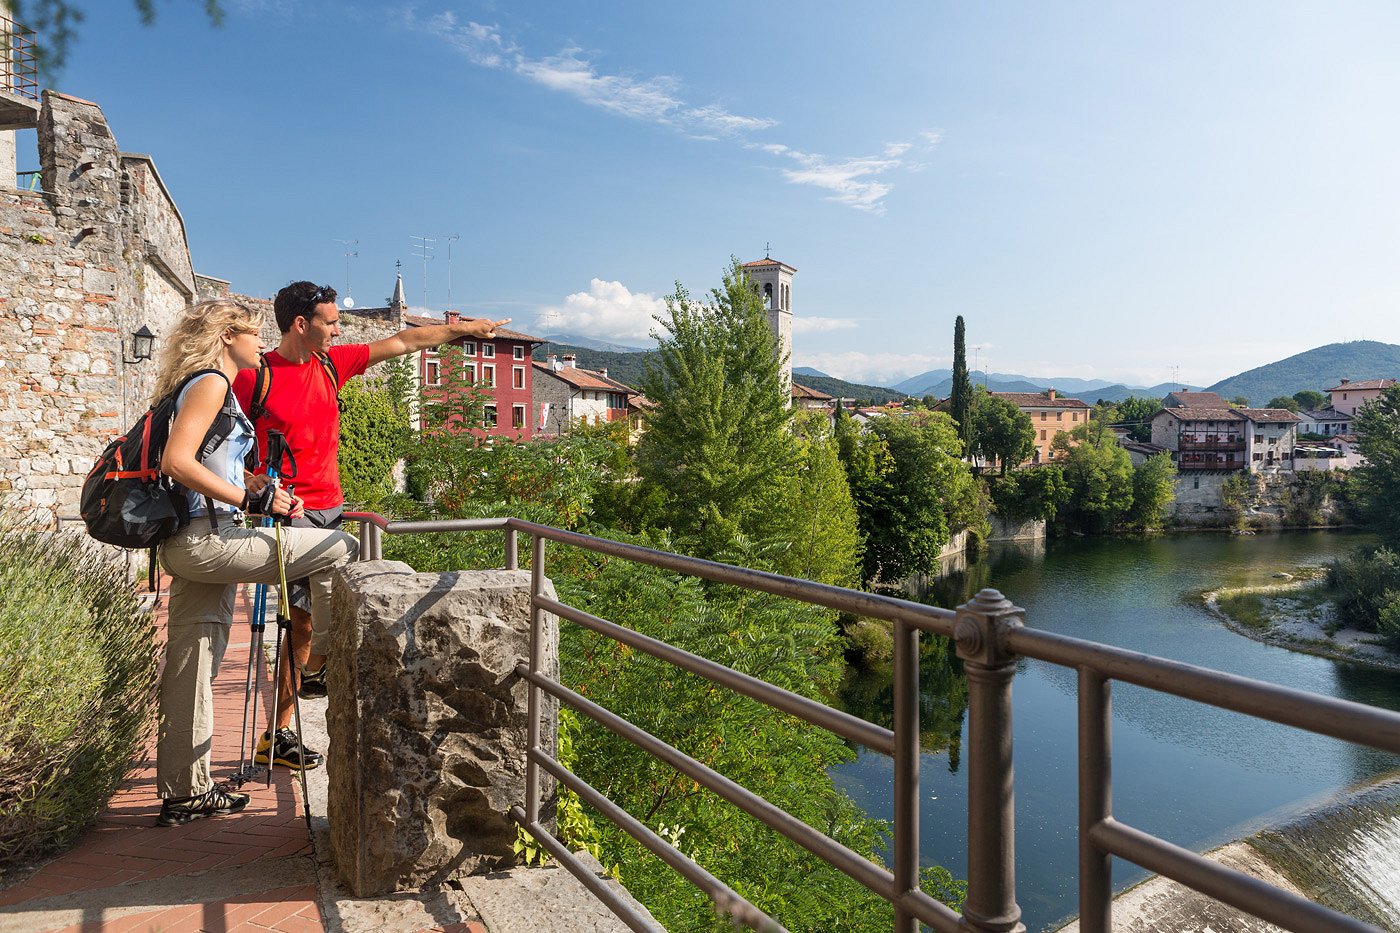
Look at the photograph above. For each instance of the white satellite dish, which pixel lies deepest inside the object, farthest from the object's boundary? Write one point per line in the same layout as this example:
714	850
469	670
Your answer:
348	302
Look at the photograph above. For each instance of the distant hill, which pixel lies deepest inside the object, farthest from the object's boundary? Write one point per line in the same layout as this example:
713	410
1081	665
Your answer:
1318	369
809	371
939	382
628	369
574	340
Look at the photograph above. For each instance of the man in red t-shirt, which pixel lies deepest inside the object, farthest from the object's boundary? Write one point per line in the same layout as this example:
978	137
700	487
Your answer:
301	402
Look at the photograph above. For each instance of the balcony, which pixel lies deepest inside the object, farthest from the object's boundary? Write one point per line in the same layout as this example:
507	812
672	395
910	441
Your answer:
1188	443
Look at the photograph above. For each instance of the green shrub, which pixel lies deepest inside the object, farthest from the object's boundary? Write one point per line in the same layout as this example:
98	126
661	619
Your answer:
1366	585
77	687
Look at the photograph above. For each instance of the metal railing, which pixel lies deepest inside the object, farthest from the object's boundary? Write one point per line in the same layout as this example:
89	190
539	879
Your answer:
29	181
19	66
990	636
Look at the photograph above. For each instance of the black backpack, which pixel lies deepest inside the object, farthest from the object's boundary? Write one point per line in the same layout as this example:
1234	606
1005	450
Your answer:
126	500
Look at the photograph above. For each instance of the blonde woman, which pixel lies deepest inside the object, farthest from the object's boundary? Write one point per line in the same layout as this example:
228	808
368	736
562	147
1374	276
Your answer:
209	441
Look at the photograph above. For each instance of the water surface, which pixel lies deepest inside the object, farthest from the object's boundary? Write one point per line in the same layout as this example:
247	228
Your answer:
1192	774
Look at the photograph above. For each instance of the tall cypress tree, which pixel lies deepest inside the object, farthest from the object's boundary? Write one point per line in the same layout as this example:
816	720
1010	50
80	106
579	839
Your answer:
960	401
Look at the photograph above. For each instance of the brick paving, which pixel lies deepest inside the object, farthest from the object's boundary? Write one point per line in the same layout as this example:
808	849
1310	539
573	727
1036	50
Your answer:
241	873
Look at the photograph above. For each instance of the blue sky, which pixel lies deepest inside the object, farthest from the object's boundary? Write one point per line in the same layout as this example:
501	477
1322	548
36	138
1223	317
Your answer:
1103	190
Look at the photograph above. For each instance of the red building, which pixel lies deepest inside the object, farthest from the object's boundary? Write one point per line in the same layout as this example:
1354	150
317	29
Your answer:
501	366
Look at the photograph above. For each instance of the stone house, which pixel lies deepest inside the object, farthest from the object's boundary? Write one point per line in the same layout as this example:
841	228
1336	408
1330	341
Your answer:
1327	422
1223	438
565	394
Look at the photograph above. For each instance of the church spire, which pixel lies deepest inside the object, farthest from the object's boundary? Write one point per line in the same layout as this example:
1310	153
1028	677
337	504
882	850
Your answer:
398	302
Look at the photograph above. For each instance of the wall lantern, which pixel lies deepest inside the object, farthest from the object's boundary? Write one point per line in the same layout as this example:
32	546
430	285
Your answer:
141	341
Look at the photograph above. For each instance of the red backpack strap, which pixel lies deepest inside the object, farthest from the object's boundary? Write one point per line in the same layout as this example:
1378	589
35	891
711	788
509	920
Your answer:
333	375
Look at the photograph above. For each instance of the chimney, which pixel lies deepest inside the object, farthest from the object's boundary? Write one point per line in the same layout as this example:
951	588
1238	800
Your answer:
1050	394
452	317
1345	381
553	362
570	361
604	373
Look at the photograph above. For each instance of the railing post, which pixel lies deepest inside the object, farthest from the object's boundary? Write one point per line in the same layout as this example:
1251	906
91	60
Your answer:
512	550
369	540
906	770
991	795
532	770
1095	800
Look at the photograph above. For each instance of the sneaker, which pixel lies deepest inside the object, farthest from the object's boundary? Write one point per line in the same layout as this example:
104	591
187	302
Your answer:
216	801
313	684
287	752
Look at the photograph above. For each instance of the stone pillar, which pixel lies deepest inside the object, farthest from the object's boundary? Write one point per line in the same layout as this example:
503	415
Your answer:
427	722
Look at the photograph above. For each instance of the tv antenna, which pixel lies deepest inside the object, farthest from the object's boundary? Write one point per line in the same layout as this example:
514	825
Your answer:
450	238
424	248
975	351
1176	377
350	253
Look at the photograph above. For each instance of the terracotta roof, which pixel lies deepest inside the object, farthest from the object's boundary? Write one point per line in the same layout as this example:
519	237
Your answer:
1364	384
765	263
801	391
418	320
1269	415
1200	414
584	378
1037	400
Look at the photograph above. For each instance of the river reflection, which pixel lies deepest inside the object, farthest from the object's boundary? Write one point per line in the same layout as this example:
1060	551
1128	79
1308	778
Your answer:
1192	774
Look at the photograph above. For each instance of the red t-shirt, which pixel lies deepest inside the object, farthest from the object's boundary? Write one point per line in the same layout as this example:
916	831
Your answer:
302	405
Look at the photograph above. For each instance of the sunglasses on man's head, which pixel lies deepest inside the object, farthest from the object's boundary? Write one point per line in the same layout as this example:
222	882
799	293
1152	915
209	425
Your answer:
323	294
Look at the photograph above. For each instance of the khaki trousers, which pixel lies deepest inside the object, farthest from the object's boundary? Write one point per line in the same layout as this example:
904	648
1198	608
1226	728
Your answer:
204	569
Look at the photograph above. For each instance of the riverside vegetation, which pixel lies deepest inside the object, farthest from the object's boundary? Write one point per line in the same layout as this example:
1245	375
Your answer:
727	471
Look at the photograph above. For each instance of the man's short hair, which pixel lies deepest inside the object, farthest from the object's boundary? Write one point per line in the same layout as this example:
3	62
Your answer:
299	299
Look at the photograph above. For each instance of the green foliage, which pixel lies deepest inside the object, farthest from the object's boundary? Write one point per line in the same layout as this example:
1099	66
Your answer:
1000	431
1099	474
1306	494
717	446
1023	495
1234	494
815	519
374	435
1312	400
1282	401
1154	487
960	399
1239	401
912	491
775	755
77	687
1377	484
1134	413
1366	586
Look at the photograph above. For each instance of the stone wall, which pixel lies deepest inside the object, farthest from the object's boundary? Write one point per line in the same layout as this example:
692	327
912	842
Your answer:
1029	530
96	254
1273	500
428	722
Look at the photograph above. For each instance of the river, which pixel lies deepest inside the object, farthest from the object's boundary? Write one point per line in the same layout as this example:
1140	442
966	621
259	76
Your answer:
1192	774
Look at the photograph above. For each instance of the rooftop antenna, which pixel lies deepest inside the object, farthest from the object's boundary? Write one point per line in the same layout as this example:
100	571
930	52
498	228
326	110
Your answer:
349	301
424	246
449	237
975	351
1176	376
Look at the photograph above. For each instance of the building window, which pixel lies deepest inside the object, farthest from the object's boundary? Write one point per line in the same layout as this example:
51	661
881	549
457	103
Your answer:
469	347
1042	433
469	372
517	377
1074	416
1258	438
1258	456
517	352
488	416
617	400
1059	416
488	375
517	416
488	350
431	375
1044	415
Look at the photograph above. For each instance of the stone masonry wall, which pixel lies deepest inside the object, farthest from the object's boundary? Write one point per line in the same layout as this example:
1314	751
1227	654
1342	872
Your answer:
83	263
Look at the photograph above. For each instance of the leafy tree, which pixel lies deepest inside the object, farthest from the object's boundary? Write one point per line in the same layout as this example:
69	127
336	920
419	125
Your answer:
717	446
1001	431
816	521
1154	487
1377	484
1100	477
960	400
1283	401
1037	493
1135	413
912	491
55	25
1239	401
374	435
1312	400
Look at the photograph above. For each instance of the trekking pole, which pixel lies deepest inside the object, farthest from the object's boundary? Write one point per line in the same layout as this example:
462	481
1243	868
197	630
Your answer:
253	686
284	632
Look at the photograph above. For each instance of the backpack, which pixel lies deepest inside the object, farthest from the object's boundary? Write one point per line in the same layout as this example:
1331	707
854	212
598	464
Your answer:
262	385
126	500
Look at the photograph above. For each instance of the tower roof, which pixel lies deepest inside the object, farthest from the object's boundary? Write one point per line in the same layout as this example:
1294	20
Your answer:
398	301
767	264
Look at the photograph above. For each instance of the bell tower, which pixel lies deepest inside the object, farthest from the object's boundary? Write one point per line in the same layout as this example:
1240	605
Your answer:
773	281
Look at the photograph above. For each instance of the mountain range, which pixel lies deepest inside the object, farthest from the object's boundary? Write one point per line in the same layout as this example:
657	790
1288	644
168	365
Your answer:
1319	368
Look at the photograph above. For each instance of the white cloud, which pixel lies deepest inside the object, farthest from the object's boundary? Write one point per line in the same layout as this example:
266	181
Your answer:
861	182
820	325
608	310
870	368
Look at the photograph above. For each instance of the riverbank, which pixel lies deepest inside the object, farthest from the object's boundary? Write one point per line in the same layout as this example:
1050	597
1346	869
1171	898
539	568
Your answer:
1294	614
